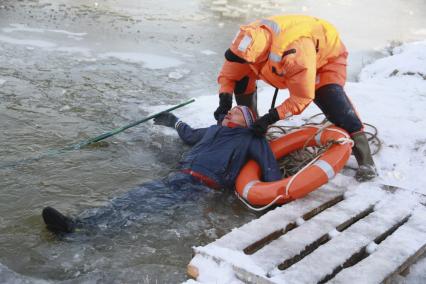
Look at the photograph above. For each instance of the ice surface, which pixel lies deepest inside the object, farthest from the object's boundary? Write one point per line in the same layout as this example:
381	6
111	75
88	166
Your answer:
151	61
36	43
208	52
22	28
9	276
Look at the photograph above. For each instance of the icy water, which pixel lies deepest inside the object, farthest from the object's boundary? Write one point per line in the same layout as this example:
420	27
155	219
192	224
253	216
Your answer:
70	70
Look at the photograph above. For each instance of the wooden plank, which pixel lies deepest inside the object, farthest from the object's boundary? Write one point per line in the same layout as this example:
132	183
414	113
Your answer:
272	223
324	262
276	221
317	239
228	247
301	241
393	255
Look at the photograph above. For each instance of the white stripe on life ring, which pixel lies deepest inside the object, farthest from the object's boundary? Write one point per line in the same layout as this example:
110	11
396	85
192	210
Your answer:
247	188
326	168
318	138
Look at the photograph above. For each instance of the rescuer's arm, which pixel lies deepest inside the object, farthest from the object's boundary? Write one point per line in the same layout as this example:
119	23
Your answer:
300	74
233	70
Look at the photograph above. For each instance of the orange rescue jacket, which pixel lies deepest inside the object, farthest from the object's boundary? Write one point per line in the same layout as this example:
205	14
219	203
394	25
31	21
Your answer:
286	52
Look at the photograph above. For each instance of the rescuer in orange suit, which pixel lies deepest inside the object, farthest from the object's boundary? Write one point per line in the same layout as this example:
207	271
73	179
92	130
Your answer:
304	55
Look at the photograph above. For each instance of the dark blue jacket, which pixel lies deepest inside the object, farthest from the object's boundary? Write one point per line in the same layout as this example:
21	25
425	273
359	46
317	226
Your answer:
220	152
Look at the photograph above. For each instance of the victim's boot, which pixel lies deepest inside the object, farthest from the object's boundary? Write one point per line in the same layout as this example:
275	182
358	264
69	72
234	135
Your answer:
57	222
248	100
361	150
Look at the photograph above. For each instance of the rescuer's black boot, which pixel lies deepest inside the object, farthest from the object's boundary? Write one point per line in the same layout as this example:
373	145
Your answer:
361	150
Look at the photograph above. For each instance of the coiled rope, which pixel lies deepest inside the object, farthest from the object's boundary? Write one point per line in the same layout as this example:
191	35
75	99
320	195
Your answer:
296	162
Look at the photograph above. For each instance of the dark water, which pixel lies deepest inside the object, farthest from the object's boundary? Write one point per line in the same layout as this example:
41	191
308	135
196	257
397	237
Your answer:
64	77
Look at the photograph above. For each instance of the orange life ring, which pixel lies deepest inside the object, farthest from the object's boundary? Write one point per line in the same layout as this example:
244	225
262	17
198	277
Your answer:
320	171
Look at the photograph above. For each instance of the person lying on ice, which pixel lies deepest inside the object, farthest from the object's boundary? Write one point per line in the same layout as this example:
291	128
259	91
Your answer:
304	55
214	161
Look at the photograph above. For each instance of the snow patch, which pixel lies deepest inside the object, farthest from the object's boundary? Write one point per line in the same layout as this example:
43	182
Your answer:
150	61
74	49
208	52
23	28
300	221
407	60
212	272
65	108
333	233
178	74
36	43
420	32
371	247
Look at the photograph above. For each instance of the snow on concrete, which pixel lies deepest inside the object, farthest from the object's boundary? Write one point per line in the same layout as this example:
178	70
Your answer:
391	95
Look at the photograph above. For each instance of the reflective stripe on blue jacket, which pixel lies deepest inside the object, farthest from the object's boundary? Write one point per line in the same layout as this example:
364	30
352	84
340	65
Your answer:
220	152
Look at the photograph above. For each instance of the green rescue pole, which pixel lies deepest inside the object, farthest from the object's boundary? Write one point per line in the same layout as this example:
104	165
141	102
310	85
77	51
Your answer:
90	141
121	129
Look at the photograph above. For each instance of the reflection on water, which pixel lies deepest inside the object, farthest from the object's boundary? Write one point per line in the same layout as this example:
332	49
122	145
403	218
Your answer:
58	87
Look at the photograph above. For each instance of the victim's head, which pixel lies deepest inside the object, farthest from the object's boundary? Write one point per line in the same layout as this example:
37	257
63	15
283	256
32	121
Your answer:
239	116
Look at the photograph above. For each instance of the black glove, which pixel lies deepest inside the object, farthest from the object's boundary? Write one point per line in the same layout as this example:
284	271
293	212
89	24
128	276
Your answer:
166	118
225	104
260	126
